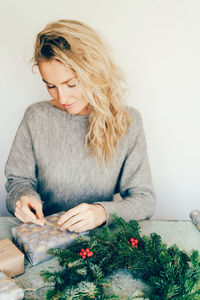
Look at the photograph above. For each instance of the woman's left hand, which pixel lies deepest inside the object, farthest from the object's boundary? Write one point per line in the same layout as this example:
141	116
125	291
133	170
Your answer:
83	217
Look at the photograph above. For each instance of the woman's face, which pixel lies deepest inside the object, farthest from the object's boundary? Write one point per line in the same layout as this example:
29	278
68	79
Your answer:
63	87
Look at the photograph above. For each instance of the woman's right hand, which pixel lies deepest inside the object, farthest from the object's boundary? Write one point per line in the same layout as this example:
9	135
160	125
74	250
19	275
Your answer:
24	210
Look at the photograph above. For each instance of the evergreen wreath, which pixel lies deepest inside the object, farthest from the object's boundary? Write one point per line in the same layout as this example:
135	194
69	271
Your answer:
169	272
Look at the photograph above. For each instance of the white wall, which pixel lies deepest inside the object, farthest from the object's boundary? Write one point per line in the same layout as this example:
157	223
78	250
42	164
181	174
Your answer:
158	45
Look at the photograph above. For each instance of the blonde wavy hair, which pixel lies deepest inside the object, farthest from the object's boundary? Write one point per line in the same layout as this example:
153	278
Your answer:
83	52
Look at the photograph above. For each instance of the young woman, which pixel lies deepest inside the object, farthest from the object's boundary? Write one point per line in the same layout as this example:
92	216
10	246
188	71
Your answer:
74	152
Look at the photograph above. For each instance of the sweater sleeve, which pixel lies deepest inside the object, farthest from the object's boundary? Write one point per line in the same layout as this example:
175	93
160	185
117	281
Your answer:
20	168
134	183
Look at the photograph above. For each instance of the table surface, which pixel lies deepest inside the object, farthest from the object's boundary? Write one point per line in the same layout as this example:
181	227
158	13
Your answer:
182	233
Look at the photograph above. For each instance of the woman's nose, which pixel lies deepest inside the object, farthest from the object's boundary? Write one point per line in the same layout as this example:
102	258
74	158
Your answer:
63	97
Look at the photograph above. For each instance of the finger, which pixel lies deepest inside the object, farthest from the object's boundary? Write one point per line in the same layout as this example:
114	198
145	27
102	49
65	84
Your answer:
39	222
23	209
73	220
79	227
25	219
19	213
66	216
29	214
39	212
37	206
72	212
19	216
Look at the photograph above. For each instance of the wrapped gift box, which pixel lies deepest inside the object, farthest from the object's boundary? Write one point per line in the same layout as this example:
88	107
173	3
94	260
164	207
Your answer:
8	289
11	258
35	240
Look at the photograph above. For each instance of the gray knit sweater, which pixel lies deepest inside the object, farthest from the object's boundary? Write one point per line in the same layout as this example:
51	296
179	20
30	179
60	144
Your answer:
48	161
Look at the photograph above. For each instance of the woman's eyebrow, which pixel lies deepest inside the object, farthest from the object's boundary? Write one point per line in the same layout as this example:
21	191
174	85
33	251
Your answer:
61	82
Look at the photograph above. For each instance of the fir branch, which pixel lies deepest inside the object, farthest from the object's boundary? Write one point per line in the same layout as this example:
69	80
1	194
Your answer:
169	272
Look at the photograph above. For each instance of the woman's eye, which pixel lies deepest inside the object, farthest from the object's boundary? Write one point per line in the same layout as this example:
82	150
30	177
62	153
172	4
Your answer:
71	85
50	87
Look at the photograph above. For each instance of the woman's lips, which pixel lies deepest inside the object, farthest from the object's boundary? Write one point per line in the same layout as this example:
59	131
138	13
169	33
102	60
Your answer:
68	105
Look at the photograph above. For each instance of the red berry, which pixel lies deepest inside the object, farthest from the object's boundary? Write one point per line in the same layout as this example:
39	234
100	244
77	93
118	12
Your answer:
87	250
132	240
84	252
132	243
83	256
82	249
80	253
89	254
136	241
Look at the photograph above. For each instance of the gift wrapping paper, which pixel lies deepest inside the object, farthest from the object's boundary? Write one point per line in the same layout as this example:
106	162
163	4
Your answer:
11	258
8	289
35	240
